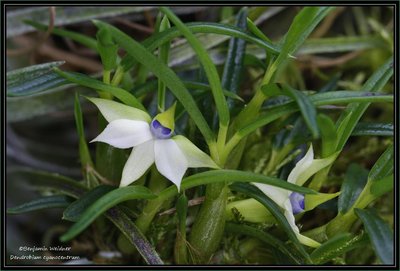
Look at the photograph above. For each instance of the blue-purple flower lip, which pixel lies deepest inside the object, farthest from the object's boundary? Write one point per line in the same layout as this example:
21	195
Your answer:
159	131
297	201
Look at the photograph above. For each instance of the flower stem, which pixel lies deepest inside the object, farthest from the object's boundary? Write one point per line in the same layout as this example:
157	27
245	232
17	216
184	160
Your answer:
118	75
106	79
157	183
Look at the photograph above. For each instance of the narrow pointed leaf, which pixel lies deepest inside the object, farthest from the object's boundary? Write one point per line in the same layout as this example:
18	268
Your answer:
337	246
158	39
89	82
121	219
75	36
34	79
383	167
232	74
328	134
380	234
40	204
354	182
306	107
74	211
373	129
374	84
84	154
103	204
382	186
208	66
45	180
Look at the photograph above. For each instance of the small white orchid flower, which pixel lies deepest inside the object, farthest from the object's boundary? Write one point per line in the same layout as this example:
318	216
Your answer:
152	142
292	202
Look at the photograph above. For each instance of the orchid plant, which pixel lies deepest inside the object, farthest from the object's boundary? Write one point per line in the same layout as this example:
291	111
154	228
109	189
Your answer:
205	141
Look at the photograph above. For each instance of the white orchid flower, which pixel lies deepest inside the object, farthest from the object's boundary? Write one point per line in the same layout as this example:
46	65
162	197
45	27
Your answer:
292	202
152	142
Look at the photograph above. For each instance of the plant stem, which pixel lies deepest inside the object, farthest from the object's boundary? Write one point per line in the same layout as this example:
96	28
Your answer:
118	75
157	183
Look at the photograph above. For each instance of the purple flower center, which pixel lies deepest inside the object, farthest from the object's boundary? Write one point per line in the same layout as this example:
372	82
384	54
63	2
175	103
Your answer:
160	131
297	201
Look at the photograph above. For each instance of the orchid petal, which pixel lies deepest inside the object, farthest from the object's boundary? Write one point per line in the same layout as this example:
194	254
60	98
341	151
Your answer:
291	220
113	110
141	158
277	194
301	166
125	133
308	166
170	160
194	156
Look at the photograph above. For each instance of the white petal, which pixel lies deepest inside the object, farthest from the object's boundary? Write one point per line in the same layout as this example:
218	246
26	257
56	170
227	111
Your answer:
170	160
113	110
301	166
277	194
292	222
308	166
124	133
194	156
141	158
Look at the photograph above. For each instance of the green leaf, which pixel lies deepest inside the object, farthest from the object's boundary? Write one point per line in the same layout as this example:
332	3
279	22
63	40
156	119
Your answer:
84	154
332	97
65	15
158	39
383	167
40	204
180	249
44	180
340	44
256	31
201	87
208	66
328	134
74	211
107	49
40	179
232	74
89	82
354	182
306	107
165	74
121	219
163	55
382	186
301	27
82	39
373	129
380	234
103	204
264	237
275	210
350	117
337	246
34	79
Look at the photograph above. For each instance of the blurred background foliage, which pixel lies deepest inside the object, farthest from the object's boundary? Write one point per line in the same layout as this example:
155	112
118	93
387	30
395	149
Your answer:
343	51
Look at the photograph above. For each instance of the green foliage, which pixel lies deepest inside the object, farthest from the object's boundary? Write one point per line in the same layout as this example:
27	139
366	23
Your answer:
380	234
257	112
34	79
40	204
